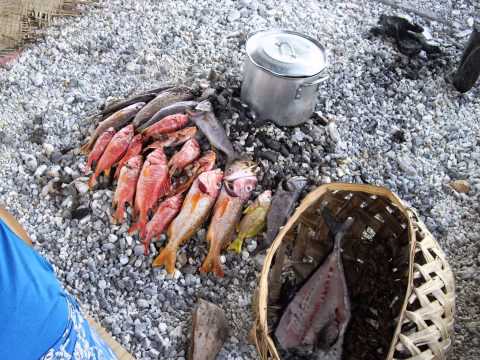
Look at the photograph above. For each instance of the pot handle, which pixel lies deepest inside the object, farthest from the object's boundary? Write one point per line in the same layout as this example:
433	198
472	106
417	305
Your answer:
318	81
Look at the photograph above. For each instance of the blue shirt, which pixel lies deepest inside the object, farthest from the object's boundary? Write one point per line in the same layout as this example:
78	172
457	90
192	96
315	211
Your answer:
33	306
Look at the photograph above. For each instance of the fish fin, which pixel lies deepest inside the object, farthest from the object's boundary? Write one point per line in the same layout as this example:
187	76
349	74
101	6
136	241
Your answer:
167	257
195	199
173	170
250	208
236	245
212	264
107	172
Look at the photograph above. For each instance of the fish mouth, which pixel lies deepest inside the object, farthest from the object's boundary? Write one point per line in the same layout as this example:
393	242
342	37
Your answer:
247	171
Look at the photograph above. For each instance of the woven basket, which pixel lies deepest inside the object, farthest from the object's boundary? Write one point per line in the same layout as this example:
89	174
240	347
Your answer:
413	308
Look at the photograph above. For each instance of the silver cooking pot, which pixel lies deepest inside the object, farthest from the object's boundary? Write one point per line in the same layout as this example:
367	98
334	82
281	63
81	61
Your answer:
281	75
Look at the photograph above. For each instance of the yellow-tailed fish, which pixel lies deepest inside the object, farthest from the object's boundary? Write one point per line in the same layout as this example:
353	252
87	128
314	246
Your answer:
254	220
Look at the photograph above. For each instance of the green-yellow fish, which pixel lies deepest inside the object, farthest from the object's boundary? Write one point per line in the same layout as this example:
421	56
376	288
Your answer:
253	221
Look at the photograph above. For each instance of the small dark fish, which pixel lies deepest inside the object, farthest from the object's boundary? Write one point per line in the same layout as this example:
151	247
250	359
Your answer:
159	89
119	105
318	315
165	98
283	203
213	130
176	108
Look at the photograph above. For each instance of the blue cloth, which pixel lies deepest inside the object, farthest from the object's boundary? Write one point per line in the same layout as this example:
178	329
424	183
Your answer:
38	319
33	307
79	341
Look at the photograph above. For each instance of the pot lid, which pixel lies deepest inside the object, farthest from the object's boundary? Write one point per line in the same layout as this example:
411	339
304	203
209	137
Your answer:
287	53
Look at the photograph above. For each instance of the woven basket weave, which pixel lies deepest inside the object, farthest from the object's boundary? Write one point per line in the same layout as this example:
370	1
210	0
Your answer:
418	323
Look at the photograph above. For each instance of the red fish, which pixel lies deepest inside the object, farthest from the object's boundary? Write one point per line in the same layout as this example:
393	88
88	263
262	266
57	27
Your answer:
195	210
205	163
166	125
173	139
153	183
135	148
127	183
164	215
115	150
189	152
99	148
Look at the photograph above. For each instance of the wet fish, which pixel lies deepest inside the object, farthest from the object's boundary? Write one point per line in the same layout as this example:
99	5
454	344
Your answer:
227	213
319	313
164	215
166	125
283	203
119	105
254	220
116	120
205	163
165	98
134	148
153	183
173	139
127	183
214	131
100	146
176	108
189	152
195	210
116	148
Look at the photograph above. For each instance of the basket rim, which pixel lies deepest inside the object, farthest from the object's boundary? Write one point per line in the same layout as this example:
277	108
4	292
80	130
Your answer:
306	202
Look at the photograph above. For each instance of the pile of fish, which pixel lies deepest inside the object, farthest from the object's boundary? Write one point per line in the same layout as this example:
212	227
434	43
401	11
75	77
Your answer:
175	194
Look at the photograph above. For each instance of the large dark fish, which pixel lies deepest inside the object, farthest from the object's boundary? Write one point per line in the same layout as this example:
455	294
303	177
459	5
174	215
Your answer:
165	98
119	105
176	108
283	203
318	315
207	122
117	120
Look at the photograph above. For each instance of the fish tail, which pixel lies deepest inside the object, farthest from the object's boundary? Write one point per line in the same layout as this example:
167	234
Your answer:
146	245
119	213
212	264
92	181
236	244
117	171
134	228
167	257
85	148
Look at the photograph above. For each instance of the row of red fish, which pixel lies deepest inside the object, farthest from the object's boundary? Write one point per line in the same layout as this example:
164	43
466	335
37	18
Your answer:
154	188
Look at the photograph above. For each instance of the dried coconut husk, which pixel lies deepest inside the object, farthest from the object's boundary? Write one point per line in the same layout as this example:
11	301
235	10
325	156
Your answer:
401	287
20	20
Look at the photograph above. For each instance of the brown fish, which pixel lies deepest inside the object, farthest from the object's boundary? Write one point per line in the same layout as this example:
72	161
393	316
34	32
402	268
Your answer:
213	130
318	315
116	120
195	210
227	213
163	99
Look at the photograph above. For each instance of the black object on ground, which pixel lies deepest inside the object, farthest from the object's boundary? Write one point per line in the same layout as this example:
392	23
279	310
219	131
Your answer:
468	71
408	36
